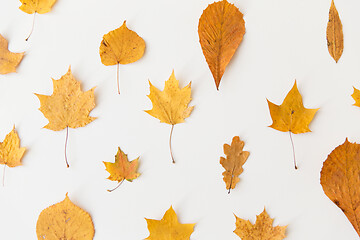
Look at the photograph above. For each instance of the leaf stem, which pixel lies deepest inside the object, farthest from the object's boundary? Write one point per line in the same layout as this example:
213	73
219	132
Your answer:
116	186
4	175
172	157
66	140
293	148
32	28
117	77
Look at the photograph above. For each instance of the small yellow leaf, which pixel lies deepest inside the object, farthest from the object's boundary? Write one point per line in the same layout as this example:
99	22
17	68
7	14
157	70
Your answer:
68	106
221	30
356	97
10	150
334	34
36	6
291	114
63	221
262	229
169	228
8	60
171	105
235	159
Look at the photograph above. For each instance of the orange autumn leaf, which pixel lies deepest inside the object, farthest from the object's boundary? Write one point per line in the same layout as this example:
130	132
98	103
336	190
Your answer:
121	46
340	180
8	60
334	33
221	29
122	169
64	220
356	97
235	159
262	229
169	228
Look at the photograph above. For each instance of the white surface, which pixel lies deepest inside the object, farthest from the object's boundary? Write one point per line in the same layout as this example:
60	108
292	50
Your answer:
284	40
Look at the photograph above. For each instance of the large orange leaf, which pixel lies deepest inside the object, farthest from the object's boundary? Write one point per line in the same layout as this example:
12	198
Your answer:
221	29
340	180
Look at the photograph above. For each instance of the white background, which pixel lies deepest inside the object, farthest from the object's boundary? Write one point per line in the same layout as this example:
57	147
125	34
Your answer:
285	40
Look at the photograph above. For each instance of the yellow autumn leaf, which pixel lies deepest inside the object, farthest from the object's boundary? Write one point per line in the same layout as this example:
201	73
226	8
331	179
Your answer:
262	229
68	106
221	30
122	168
356	97
235	159
64	220
171	105
169	228
334	33
121	46
8	60
291	116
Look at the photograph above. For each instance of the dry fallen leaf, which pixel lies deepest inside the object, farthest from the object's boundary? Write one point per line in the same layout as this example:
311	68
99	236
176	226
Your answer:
68	106
33	7
221	30
8	60
291	116
262	229
122	169
356	97
169	228
63	221
171	105
121	46
340	180
235	159
10	151
334	34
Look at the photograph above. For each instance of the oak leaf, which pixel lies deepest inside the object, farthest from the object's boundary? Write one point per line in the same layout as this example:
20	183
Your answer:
340	180
334	33
68	106
235	159
8	60
221	29
64	220
169	228
262	229
171	105
122	168
121	46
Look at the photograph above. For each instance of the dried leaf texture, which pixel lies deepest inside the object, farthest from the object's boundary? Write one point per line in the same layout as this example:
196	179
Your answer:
121	46
122	168
169	228
64	221
356	97
10	150
291	114
262	229
36	6
334	34
171	105
8	60
68	106
340	180
235	159
221	30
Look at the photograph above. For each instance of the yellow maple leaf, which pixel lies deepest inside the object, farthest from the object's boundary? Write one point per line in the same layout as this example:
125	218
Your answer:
8	60
291	116
33	7
334	33
121	46
122	168
356	97
235	159
340	178
262	229
221	30
68	106
64	220
171	105
169	228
